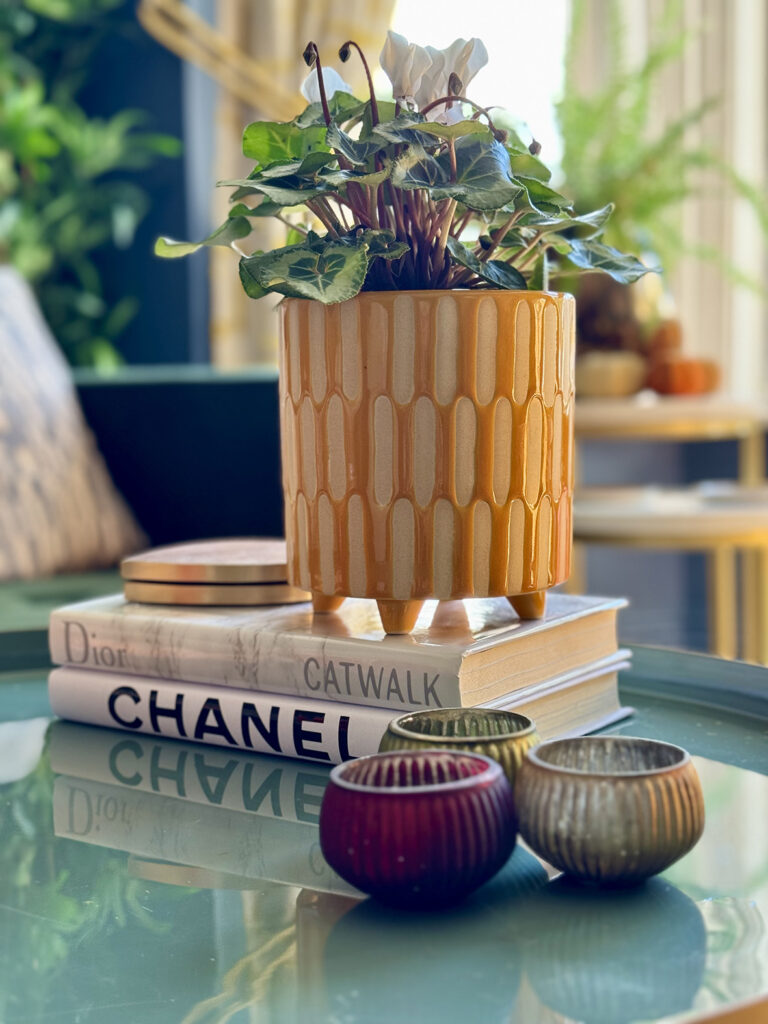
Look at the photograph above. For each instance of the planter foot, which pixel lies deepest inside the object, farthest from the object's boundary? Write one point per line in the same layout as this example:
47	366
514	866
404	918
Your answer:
399	616
530	606
325	603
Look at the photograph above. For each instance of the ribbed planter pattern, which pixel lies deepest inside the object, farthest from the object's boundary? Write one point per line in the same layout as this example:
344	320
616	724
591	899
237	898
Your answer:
427	443
501	735
609	808
418	829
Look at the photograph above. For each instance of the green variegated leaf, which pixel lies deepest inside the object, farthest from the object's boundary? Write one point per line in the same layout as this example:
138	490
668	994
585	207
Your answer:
281	191
357	151
309	166
541	197
339	178
528	166
417	169
232	229
588	225
494	271
458	130
250	285
263	209
483	178
386	110
405	129
342	106
383	244
269	142
591	255
328	270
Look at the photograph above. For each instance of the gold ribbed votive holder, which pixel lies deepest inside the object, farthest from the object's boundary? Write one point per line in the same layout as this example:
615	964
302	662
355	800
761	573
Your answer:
504	736
610	809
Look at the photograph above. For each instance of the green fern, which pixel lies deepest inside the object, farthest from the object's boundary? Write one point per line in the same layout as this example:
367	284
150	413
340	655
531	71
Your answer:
609	151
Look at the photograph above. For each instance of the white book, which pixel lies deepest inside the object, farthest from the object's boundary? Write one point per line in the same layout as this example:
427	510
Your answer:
461	653
324	731
264	723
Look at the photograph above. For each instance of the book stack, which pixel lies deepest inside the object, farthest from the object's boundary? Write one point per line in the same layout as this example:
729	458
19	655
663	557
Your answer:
277	679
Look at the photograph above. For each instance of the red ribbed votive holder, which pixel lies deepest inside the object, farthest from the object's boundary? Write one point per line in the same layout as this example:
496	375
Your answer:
418	828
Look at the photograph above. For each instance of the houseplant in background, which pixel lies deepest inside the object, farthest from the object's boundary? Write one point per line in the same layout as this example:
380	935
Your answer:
65	186
426	370
614	150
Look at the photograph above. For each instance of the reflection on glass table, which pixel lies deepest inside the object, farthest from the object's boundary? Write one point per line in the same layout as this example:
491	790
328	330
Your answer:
147	880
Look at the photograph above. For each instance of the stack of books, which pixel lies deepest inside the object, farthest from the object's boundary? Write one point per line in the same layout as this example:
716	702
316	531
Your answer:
280	680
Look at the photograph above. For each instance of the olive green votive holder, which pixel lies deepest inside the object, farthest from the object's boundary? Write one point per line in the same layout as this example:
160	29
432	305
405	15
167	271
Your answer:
504	736
609	809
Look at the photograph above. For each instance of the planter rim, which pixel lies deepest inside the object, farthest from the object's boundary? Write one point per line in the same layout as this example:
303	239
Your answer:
683	758
434	291
400	727
491	772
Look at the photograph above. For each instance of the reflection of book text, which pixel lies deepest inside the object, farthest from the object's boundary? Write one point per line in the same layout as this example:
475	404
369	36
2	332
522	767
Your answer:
276	787
181	832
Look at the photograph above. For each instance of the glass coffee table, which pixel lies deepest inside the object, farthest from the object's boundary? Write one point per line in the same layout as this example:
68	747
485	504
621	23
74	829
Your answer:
153	881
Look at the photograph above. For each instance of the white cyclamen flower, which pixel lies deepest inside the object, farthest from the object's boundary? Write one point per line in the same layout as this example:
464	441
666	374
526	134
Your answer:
419	74
332	80
404	64
463	58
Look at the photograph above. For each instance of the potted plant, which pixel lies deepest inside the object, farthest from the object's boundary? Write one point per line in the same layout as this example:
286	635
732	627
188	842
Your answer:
426	379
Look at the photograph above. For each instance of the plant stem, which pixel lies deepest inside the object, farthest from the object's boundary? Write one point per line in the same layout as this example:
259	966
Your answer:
448	100
294	227
374	105
460	224
444	232
316	206
498	235
311	50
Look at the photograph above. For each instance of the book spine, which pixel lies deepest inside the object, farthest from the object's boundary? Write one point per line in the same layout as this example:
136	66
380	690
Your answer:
162	828
324	731
260	659
250	783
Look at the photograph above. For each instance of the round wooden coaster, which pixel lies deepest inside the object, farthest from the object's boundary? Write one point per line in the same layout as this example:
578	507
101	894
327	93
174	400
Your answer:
212	594
235	560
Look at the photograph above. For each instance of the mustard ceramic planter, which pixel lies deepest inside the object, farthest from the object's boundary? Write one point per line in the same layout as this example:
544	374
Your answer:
427	447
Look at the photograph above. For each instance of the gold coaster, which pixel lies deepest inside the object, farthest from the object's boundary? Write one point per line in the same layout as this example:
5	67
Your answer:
212	594
236	560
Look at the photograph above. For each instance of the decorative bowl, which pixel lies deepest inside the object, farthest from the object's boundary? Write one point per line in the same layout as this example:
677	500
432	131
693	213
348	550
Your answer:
418	828
611	809
502	735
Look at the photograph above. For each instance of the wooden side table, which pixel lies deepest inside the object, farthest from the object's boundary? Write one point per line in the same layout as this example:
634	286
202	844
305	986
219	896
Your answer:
650	417
722	520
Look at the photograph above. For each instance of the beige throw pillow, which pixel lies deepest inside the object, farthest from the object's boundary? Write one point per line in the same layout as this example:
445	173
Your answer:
59	510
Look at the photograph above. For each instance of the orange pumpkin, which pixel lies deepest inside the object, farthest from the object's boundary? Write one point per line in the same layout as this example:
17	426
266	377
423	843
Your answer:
666	340
677	375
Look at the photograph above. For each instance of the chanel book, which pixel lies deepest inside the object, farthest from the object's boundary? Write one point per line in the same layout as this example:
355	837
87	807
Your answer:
318	730
461	653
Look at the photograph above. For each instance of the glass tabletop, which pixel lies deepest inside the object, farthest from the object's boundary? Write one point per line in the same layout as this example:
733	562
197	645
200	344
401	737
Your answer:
153	881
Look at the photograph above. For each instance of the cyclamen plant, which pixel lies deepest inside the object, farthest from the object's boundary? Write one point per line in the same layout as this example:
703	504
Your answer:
425	192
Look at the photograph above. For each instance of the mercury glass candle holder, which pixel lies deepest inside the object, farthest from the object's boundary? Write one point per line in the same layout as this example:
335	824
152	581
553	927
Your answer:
418	828
504	736
609	809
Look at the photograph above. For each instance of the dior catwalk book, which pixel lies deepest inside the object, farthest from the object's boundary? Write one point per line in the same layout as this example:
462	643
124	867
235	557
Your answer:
461	653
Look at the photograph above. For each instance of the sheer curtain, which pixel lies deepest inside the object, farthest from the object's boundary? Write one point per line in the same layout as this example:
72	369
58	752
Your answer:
274	33
726	58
